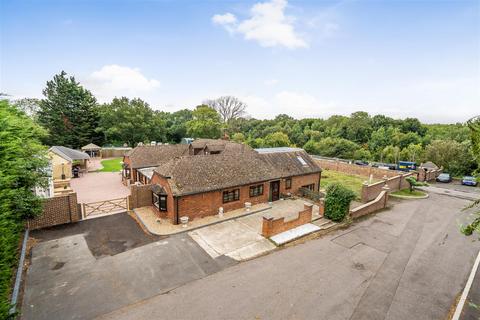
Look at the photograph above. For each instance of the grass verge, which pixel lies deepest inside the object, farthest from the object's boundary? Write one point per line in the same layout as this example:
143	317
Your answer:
408	193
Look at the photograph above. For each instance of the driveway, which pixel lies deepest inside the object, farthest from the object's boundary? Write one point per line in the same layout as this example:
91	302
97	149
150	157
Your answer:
241	238
96	266
99	186
409	262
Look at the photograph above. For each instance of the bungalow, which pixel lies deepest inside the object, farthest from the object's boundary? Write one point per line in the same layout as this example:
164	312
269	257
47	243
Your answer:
139	163
198	185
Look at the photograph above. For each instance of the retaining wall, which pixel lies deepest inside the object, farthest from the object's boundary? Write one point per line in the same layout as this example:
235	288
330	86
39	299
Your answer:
380	202
396	183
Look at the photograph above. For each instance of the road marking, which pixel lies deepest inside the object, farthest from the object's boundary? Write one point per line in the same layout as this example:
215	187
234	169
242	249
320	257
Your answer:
466	290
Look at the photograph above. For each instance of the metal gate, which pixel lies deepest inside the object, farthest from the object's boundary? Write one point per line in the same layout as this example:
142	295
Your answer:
104	207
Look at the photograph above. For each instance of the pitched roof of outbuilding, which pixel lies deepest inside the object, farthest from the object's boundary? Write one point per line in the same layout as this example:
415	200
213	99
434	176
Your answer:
429	165
69	154
202	173
91	146
151	156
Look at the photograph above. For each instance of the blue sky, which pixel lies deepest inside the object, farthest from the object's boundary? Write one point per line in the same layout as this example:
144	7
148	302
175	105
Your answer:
303	58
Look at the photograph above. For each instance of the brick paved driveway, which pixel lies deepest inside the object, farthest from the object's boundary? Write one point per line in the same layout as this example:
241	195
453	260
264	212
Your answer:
98	186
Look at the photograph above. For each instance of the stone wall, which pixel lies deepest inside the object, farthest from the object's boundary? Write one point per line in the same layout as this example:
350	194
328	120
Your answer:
348	168
272	226
380	202
57	210
396	183
140	196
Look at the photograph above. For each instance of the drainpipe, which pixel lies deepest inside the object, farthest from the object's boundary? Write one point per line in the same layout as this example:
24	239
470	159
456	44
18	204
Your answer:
175	213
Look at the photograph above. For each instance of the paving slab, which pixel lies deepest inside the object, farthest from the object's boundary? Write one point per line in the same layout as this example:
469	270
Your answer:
295	233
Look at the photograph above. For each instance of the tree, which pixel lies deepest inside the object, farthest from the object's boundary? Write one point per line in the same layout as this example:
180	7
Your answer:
456	158
23	168
228	107
206	123
176	124
413	125
333	147
69	113
238	137
277	139
29	106
130	121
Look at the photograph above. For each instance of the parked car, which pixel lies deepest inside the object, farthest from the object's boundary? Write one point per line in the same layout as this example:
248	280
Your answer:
469	181
444	177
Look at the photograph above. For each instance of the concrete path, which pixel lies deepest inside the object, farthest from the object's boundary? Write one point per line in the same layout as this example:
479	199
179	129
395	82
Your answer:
410	262
458	193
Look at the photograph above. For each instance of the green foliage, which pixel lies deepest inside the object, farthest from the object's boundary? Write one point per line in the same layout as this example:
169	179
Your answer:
176	124
333	147
23	164
69	112
130	121
238	137
337	201
456	158
206	123
277	139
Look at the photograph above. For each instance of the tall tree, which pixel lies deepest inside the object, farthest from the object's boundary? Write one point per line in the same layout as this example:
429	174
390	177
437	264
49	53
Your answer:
22	168
69	113
228	107
130	121
206	123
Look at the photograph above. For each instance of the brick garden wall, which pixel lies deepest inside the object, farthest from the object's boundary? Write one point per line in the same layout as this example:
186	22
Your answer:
428	175
57	210
272	226
380	202
140	196
356	169
371	191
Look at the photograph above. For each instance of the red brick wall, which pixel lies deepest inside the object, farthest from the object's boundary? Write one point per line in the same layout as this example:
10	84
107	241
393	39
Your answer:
170	213
370	192
272	226
356	169
429	175
378	203
207	204
140	196
57	210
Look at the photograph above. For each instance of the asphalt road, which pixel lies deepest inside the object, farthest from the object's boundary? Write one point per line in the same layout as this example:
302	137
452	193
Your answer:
410	262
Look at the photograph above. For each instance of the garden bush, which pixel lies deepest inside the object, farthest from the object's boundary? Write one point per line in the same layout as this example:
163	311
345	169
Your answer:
337	201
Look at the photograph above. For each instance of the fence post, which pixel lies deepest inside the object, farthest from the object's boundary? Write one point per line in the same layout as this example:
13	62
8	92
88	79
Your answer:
84	214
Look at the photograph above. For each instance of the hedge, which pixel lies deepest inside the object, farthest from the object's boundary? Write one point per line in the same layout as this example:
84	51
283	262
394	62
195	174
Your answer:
337	201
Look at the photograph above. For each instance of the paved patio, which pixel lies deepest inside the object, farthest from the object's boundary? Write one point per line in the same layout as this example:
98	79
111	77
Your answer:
99	186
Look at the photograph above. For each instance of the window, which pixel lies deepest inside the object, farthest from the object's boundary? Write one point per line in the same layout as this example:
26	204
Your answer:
231	195
126	173
256	191
160	201
310	187
302	161
288	183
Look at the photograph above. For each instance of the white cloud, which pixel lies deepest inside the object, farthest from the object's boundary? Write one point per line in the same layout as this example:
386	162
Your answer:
268	25
114	80
223	19
270	82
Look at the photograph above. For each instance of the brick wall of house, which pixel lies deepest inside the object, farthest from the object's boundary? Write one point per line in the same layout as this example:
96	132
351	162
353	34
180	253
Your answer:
380	202
356	169
371	191
57	210
272	226
206	204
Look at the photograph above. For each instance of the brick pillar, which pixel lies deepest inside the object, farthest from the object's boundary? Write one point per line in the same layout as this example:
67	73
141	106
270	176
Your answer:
364	191
385	197
267	226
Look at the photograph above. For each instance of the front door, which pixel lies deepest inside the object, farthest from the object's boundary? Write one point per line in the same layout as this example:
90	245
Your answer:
275	190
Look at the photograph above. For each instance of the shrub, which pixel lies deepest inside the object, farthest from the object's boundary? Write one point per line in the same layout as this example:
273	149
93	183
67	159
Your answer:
414	183
337	201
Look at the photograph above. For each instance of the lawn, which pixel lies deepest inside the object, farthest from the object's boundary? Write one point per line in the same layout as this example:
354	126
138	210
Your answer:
111	165
350	181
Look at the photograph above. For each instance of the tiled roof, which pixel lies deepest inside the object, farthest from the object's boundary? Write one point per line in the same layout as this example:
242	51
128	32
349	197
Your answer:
202	173
69	154
151	156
